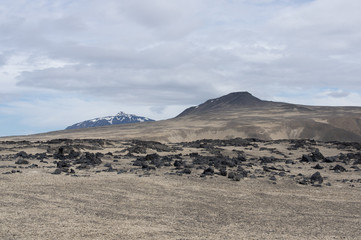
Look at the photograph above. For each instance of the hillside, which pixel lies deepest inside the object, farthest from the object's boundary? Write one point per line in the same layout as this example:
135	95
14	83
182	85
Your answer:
235	115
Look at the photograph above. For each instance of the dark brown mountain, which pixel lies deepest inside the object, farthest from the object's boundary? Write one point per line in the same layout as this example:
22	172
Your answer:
237	100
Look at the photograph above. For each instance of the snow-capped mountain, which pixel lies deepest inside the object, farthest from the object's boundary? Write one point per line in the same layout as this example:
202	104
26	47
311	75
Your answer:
120	118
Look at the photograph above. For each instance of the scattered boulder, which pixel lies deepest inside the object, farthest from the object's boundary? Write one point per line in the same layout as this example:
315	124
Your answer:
289	161
357	169
62	164
266	160
303	181
110	168
73	154
273	168
234	176
108	165
318	166
242	172
152	157
41	156
317	155
139	161
59	154
34	165
329	159
209	171
89	159
223	172
57	171
273	178
22	154
356	162
338	168
83	166
62	151
178	163
194	154
306	158
121	171
22	161
316	177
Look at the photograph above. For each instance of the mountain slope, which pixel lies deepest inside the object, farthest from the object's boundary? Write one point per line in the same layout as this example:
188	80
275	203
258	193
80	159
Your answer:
120	118
235	115
237	100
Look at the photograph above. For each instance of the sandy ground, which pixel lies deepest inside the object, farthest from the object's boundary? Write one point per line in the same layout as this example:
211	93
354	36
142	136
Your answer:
160	204
111	206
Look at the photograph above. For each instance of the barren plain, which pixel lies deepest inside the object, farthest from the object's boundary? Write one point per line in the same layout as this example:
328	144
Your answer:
204	189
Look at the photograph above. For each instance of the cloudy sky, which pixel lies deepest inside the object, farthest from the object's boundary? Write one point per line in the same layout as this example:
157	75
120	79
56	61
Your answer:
66	61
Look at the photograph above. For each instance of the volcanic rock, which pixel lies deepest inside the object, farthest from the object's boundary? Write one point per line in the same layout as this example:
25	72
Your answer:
22	161
316	177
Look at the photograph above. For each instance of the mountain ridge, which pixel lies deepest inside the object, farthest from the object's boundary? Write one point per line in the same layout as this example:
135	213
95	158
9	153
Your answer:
233	100
235	115
120	118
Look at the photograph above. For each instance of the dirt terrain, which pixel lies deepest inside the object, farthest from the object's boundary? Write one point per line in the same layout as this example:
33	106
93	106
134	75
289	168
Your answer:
205	189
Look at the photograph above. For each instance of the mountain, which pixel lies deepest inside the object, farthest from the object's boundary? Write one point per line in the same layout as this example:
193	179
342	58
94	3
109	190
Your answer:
235	115
120	118
234	101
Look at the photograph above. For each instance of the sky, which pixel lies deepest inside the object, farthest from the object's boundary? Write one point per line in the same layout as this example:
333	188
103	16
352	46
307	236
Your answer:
65	61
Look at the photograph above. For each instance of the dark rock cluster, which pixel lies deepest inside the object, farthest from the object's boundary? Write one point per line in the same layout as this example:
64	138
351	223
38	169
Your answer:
233	159
76	159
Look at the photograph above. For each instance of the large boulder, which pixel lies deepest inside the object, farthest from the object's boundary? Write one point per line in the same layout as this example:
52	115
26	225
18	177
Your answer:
316	177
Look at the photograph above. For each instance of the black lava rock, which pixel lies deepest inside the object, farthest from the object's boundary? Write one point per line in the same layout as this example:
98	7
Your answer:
208	171
317	155
318	166
223	172
62	164
265	160
329	159
178	163
338	168
235	176
289	161
57	171
108	165
316	177
22	154
59	154
73	154
306	158
273	178
243	173
90	159
151	157
22	161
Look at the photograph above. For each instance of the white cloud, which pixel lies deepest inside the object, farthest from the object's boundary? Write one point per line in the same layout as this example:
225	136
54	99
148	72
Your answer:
149	55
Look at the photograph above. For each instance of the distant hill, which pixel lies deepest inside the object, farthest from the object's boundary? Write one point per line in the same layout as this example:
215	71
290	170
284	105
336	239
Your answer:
234	101
120	118
238	114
